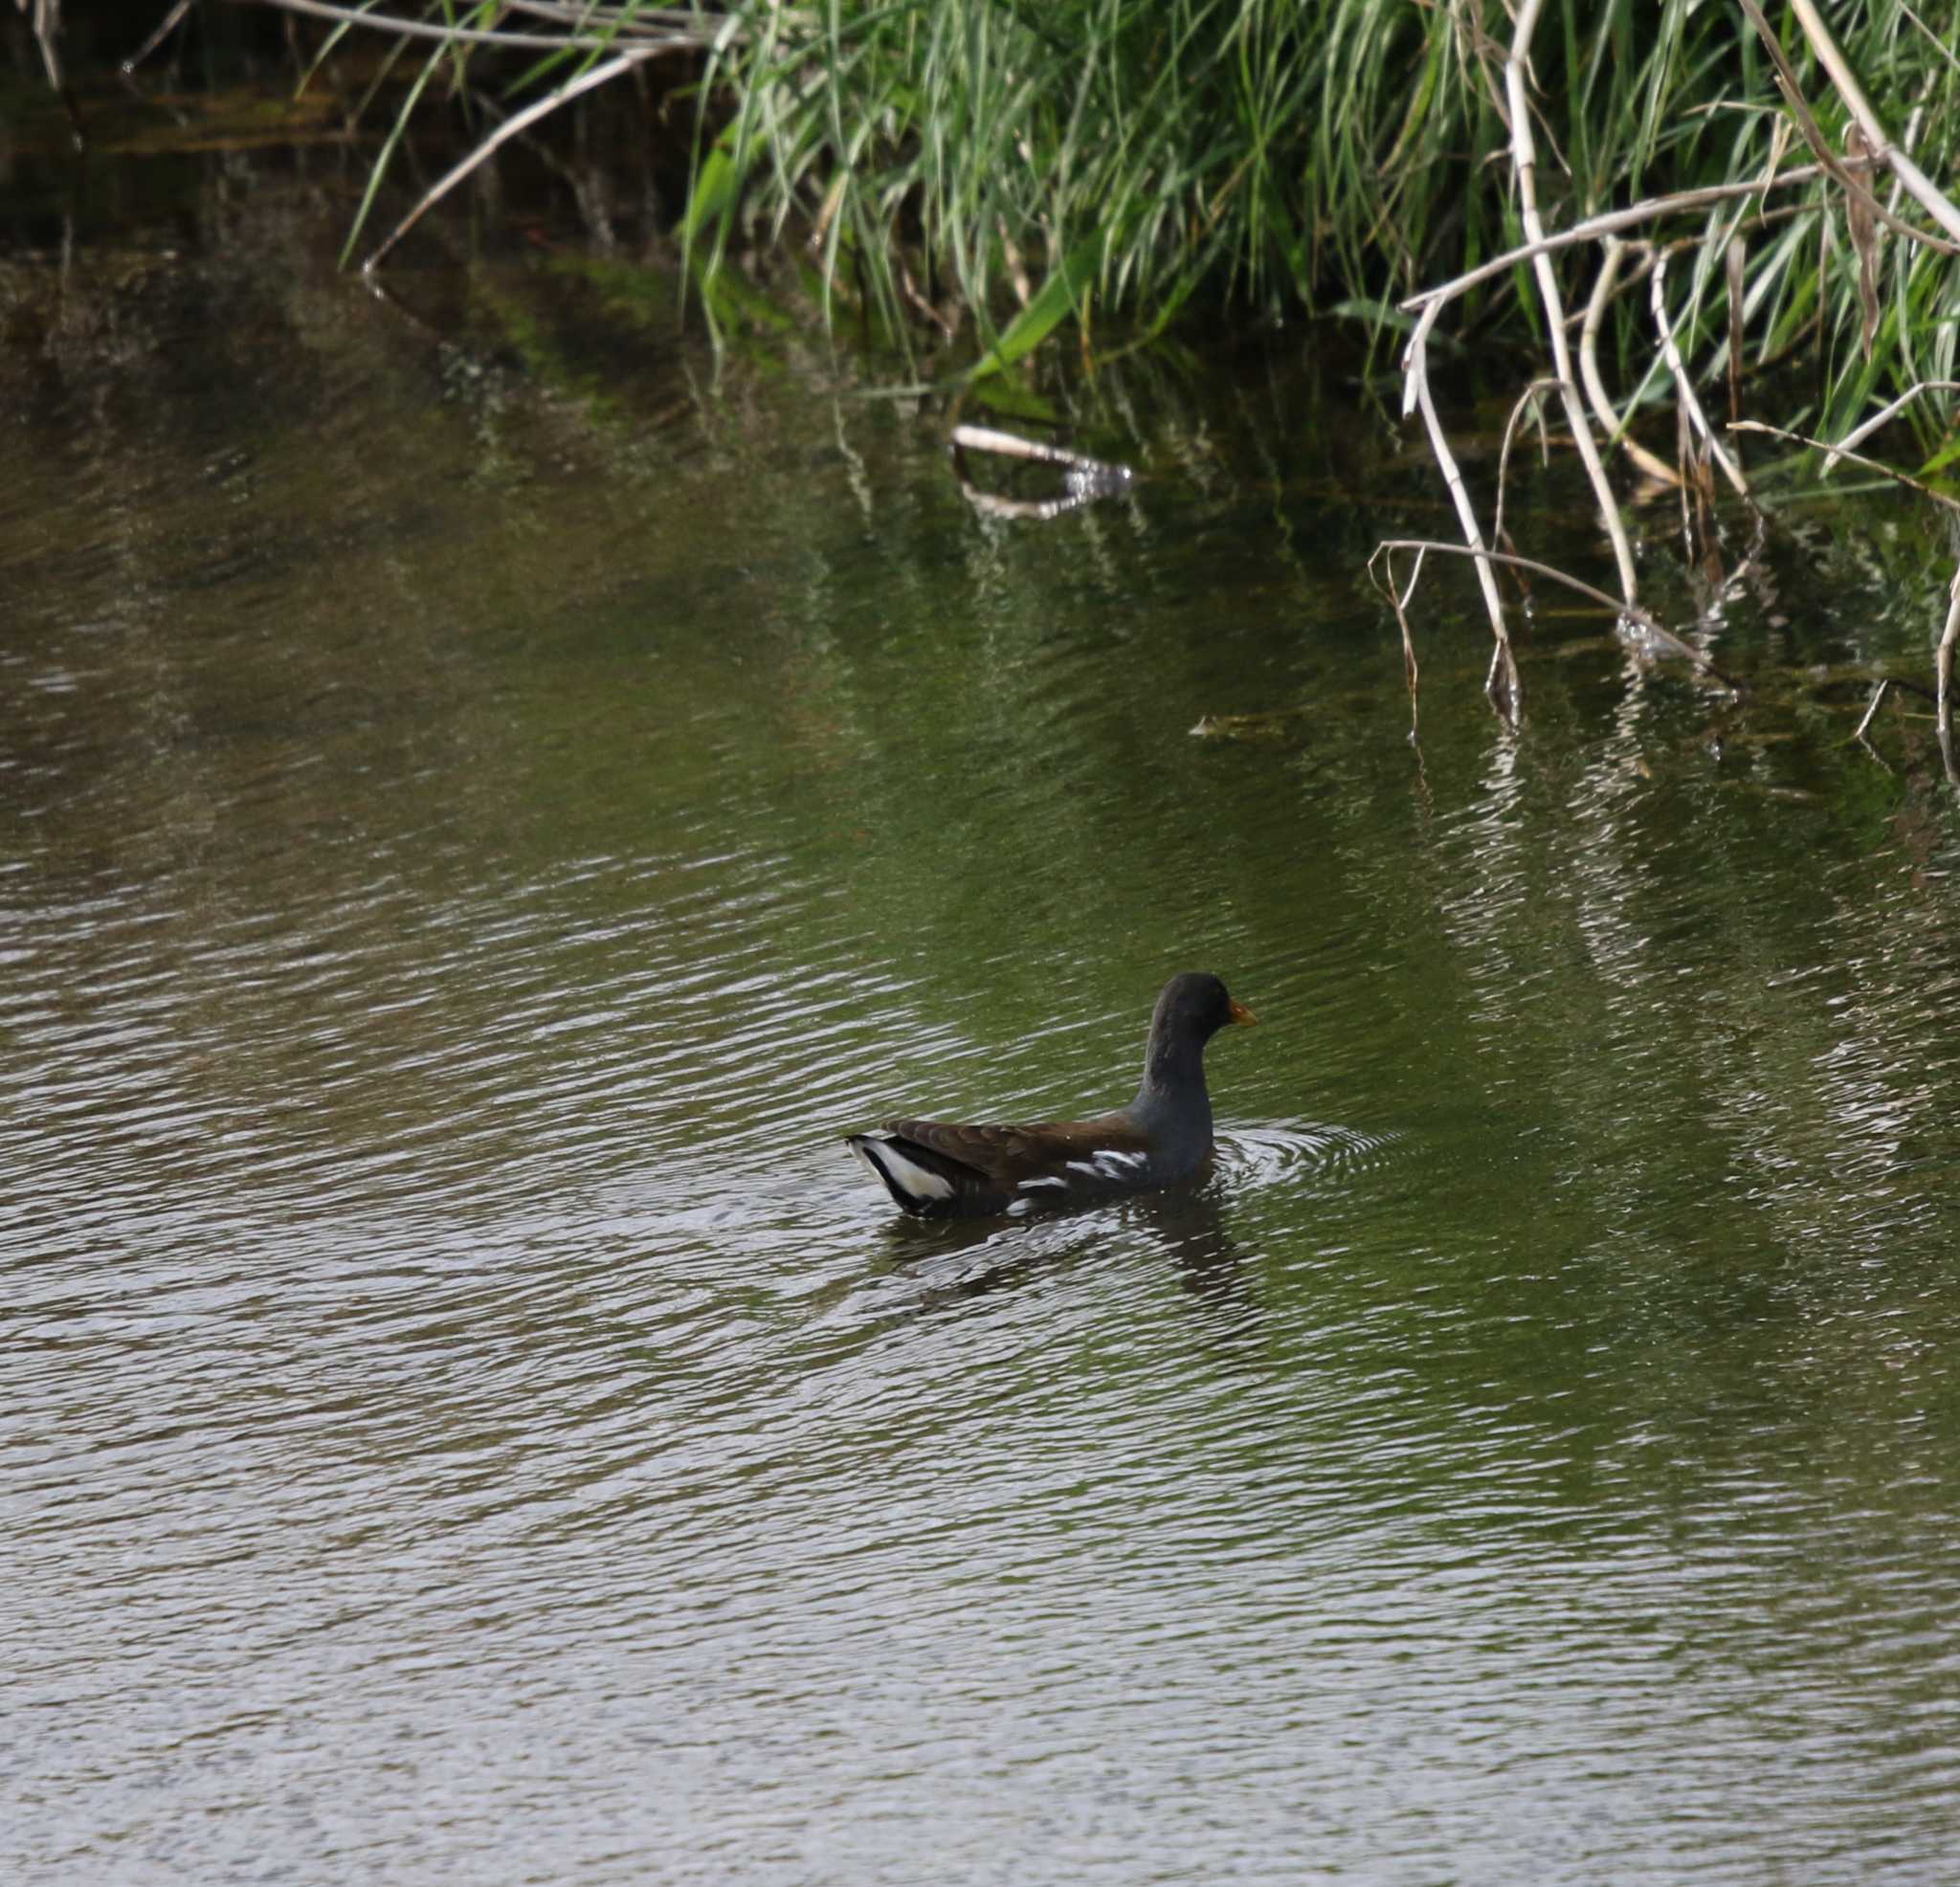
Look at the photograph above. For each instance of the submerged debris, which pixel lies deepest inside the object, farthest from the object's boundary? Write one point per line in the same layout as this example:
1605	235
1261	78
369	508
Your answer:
1268	724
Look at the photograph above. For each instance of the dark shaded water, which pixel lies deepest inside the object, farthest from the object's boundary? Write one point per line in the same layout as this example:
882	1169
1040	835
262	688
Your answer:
485	804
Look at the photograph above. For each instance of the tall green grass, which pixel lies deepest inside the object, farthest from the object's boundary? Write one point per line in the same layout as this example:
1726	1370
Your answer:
1035	159
1014	167
1133	155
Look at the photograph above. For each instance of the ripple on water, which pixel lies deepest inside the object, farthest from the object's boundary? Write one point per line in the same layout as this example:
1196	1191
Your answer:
1264	1153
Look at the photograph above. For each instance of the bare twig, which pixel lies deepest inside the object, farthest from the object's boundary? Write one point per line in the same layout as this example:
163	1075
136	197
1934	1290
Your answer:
1650	625
586	30
169	24
1865	429
1878	694
1683	386
1920	187
1584	391
1932	39
1942	668
1885	685
1399	598
1415	390
1528	400
1883	150
915	297
1896	477
45	17
593	76
1604	286
1525	160
1949	635
1649	210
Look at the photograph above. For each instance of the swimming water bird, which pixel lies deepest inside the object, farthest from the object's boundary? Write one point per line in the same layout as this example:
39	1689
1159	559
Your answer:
936	1170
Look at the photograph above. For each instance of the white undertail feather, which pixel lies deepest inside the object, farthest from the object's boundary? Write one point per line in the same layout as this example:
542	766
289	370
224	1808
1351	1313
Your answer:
903	1176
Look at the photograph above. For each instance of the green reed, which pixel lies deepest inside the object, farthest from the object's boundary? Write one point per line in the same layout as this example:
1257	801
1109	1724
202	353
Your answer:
1006	169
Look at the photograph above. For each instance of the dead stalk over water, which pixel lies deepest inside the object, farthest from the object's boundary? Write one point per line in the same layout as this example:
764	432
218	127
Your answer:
1583	390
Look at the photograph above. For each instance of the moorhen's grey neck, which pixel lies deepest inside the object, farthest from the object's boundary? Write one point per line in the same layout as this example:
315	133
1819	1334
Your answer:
1172	1101
938	1169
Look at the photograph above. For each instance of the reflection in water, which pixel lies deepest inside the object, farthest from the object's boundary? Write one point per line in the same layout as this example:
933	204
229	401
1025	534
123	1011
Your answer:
1209	1261
933	1263
467	1419
930	1261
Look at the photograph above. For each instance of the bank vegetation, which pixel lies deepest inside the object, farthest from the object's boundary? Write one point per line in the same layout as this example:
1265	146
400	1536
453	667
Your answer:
1712	234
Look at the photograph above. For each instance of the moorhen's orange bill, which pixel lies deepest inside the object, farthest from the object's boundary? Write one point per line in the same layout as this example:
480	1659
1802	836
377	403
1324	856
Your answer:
937	1169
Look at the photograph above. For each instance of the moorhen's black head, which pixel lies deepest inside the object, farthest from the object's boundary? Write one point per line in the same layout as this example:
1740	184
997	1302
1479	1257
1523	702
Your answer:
1195	1007
1191	1009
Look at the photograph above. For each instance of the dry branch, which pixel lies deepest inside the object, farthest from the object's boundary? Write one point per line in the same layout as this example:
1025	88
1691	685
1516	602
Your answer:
1503	664
1881	148
587	30
1920	187
1604	287
1683	385
1842	451
593	76
1655	631
1610	222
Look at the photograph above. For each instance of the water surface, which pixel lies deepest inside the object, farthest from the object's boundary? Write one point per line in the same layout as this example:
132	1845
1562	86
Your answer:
487	798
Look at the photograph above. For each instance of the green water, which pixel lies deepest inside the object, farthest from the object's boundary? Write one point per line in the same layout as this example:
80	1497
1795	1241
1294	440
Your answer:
487	800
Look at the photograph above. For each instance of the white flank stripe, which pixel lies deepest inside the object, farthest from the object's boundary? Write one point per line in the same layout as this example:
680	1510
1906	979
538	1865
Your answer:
906	1176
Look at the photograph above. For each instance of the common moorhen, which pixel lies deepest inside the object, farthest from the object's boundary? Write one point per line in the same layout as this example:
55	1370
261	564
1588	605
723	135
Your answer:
936	1170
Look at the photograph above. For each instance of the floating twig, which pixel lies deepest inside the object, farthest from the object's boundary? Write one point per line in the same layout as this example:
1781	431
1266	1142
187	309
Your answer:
1084	479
